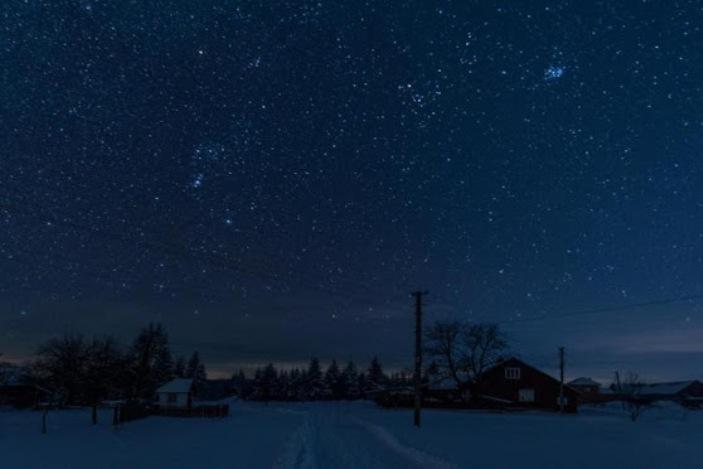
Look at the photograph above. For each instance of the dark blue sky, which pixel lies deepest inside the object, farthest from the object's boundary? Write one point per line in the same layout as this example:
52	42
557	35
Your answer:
270	179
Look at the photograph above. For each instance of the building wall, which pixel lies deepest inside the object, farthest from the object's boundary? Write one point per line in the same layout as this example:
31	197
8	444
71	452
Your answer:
181	400
694	390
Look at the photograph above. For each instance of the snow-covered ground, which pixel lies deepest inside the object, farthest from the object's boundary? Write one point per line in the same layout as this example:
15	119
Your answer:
350	435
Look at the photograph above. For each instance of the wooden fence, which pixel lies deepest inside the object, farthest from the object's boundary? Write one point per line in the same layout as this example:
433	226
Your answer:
129	412
207	411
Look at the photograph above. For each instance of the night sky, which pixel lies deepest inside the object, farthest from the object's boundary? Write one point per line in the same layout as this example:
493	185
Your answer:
271	179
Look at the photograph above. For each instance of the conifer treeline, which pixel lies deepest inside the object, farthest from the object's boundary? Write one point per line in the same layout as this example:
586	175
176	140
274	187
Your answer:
77	371
314	383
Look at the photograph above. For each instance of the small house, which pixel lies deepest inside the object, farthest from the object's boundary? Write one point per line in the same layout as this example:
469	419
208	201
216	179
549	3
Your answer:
684	392
520	385
177	393
585	386
18	389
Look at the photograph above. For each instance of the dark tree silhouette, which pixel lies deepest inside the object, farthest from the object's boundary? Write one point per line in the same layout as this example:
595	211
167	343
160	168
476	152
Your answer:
179	369
151	363
104	372
61	367
333	383
375	379
462	351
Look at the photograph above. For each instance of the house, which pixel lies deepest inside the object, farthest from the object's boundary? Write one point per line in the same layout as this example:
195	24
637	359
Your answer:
18	389
177	393
684	392
519	385
510	384
585	386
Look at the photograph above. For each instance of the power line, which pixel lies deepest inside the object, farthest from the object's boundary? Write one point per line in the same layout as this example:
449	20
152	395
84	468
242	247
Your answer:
607	309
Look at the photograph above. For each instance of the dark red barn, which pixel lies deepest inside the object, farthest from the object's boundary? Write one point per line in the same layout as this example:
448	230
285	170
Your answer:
520	385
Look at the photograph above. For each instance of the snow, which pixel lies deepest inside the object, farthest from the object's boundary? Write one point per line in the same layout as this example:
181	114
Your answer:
350	435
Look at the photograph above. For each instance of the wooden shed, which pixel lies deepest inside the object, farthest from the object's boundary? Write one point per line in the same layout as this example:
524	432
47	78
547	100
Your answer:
177	393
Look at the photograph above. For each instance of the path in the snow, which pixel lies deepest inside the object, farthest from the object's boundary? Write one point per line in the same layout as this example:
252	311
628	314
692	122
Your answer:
330	437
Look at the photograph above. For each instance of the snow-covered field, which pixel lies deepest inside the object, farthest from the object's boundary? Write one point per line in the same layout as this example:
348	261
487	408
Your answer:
347	435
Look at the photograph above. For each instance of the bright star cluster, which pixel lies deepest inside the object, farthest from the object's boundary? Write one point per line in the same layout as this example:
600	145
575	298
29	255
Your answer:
271	162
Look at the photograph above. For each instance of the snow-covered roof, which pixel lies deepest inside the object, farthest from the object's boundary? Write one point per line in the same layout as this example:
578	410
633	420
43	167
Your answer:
444	382
178	385
664	388
12	375
583	382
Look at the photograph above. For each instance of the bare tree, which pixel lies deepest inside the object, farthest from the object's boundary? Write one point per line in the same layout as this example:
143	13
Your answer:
485	344
104	372
61	365
629	389
463	351
443	345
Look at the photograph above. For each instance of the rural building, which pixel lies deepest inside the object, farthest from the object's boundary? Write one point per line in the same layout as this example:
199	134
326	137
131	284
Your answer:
684	392
510	384
18	390
176	393
585	386
519	385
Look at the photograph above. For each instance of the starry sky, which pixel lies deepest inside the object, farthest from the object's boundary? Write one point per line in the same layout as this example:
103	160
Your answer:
271	179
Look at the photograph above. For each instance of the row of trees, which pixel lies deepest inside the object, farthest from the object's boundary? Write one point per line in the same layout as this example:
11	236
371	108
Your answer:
80	371
314	383
456	351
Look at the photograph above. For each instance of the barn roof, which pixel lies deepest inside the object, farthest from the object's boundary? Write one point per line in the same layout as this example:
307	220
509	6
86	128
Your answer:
178	385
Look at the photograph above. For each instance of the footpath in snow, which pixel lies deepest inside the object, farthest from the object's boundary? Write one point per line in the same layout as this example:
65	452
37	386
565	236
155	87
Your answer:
356	435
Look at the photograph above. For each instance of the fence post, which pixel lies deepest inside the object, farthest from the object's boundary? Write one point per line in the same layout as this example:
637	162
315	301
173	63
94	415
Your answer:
43	420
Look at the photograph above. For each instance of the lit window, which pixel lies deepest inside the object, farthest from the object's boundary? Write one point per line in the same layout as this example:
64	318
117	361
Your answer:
512	373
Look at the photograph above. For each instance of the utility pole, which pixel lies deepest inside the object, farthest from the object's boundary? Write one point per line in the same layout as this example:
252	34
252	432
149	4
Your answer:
418	354
561	379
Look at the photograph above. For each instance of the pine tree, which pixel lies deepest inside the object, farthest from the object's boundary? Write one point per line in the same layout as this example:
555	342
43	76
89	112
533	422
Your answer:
333	388
295	385
376	378
363	385
314	381
256	384
282	386
268	382
240	384
196	369
179	369
350	381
